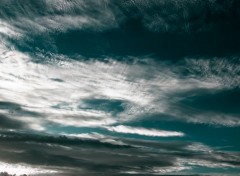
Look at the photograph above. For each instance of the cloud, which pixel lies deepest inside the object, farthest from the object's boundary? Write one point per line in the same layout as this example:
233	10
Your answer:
14	108
97	136
94	93
144	131
218	107
58	15
73	155
112	91
6	30
21	169
10	123
107	68
96	29
184	15
226	71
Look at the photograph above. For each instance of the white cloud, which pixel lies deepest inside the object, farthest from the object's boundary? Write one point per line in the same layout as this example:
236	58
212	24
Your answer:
171	169
7	30
20	169
144	131
56	16
32	86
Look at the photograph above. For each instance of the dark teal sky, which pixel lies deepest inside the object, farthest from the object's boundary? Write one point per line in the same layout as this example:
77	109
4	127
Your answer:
120	87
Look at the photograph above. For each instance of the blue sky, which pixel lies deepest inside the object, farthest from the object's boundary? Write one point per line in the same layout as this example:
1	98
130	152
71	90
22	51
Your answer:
119	87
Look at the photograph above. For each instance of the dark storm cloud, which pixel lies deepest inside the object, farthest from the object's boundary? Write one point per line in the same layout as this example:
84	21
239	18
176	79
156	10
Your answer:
79	155
84	153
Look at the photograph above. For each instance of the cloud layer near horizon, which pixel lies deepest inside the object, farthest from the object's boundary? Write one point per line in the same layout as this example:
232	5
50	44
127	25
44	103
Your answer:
63	155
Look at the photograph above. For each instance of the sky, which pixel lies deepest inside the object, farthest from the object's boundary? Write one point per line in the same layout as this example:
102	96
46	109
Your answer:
119	87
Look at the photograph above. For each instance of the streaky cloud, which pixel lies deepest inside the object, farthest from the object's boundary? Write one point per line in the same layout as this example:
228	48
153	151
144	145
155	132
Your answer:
144	131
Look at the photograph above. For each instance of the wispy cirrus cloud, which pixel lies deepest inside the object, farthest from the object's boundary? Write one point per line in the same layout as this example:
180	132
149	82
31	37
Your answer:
156	31
94	93
108	12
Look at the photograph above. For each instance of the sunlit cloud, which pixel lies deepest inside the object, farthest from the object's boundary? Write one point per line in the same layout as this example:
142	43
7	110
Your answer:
144	131
21	169
55	101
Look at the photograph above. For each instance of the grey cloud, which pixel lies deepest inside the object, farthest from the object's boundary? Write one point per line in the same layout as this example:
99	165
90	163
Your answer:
10	123
188	15
77	155
16	109
83	155
51	139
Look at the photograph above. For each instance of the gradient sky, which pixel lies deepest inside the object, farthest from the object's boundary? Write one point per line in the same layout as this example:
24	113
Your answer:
120	87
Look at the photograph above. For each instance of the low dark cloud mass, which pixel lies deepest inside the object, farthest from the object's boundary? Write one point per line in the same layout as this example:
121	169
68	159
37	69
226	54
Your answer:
90	156
9	123
126	87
